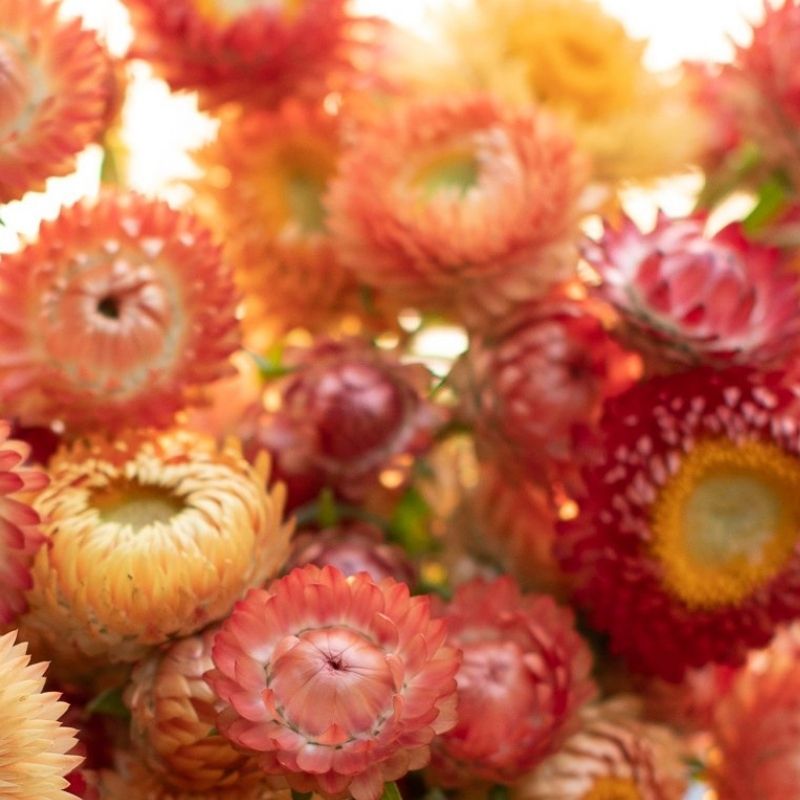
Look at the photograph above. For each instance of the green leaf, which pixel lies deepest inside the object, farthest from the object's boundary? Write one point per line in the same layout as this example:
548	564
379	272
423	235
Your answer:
109	703
391	792
327	510
411	523
739	166
301	795
773	197
498	793
271	365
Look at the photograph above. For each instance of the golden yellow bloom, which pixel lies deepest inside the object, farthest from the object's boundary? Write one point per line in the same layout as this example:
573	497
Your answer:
33	744
575	59
150	538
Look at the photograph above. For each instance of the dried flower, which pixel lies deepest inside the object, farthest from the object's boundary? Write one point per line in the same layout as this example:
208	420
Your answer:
338	683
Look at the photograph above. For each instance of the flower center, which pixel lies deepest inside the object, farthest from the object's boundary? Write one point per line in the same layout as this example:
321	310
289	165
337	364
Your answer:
332	679
727	521
136	505
304	191
108	307
613	789
455	171
228	10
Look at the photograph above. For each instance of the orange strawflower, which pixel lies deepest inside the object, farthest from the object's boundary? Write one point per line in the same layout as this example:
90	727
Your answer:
250	51
150	538
462	206
264	180
112	314
55	86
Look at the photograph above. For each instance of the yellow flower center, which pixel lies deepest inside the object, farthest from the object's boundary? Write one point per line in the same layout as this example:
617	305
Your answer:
454	170
228	10
727	521
613	789
136	505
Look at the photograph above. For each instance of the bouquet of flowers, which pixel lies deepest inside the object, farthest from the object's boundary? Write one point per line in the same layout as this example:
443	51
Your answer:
256	543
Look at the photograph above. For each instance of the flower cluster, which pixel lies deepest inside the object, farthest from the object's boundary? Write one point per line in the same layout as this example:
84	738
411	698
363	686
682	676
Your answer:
394	452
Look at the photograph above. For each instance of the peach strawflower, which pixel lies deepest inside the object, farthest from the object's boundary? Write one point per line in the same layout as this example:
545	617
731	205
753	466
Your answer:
614	756
20	536
340	684
173	715
151	537
113	314
257	52
685	550
755	731
54	94
264	178
132	780
34	746
574	58
462	206
524	677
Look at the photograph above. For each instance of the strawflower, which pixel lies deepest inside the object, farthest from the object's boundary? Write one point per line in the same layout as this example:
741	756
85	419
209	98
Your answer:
687	298
462	206
253	52
523	679
150	537
685	548
20	535
34	746
340	684
614	756
54	94
112	315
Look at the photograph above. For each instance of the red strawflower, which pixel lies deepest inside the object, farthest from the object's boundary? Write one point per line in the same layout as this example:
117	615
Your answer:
461	205
533	385
112	315
55	83
522	681
20	536
352	547
685	550
256	53
338	683
687	298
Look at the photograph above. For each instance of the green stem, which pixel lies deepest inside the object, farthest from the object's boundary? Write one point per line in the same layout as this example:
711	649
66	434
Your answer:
391	792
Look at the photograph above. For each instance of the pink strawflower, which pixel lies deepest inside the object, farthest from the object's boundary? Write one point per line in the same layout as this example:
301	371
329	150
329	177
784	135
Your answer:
523	680
19	533
338	683
352	547
688	298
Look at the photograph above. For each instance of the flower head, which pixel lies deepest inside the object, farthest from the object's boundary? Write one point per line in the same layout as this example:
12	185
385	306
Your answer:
756	741
534	385
688	298
113	314
149	538
355	411
614	756
522	681
34	746
352	547
54	94
338	683
255	52
264	180
173	714
20	536
685	550
461	205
